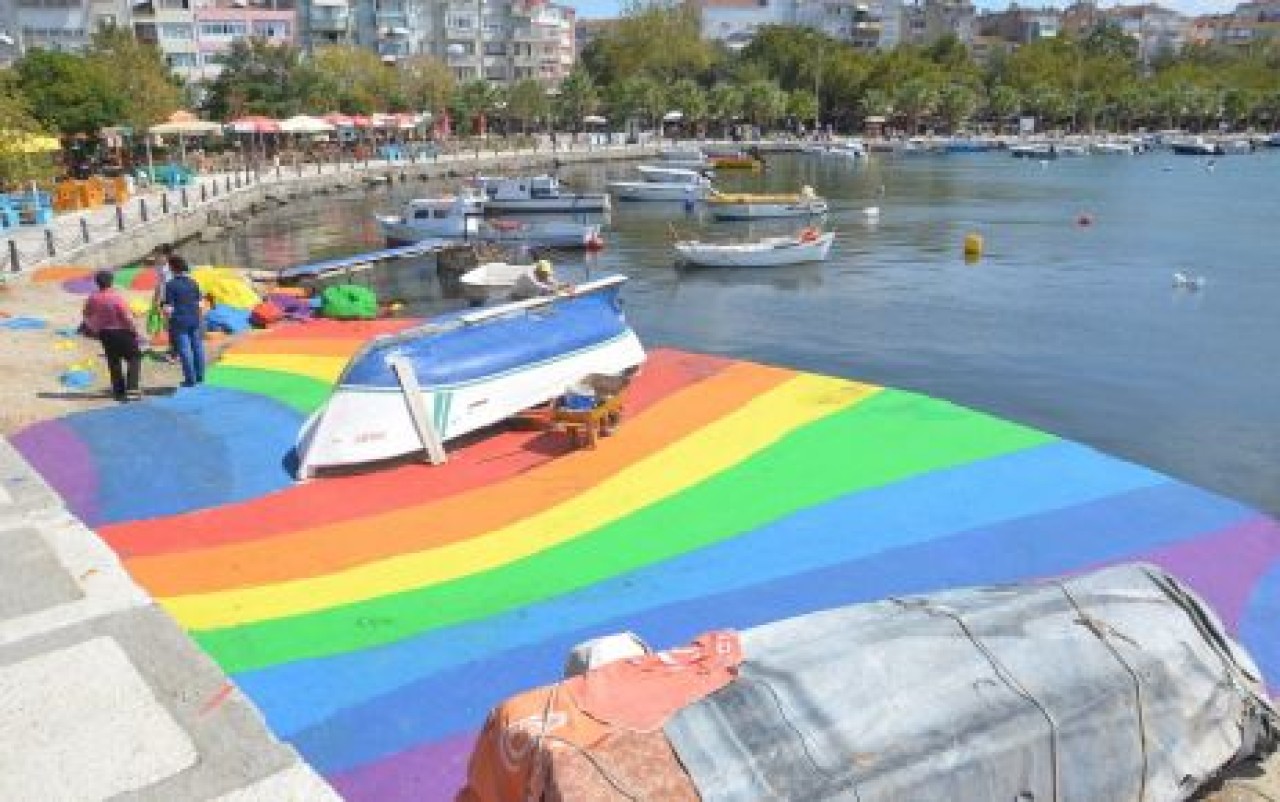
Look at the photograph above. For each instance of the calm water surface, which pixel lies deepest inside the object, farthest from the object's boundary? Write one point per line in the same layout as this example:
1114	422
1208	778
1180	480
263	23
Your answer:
1073	329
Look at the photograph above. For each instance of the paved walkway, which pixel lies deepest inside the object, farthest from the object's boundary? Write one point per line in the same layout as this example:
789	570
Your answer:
101	694
28	247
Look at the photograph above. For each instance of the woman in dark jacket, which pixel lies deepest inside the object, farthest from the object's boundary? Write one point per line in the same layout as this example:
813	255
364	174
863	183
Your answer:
186	321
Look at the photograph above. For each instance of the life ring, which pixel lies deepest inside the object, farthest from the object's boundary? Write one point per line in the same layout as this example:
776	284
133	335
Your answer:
809	234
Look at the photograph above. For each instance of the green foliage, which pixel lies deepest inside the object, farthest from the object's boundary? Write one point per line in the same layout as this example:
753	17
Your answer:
262	78
657	39
136	74
67	93
578	98
764	102
355	80
18	164
527	103
425	83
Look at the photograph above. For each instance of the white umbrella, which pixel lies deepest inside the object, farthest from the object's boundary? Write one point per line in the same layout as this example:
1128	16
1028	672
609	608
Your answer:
302	124
187	128
594	119
673	117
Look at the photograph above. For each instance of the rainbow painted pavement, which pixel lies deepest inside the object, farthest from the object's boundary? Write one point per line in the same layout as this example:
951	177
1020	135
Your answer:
375	619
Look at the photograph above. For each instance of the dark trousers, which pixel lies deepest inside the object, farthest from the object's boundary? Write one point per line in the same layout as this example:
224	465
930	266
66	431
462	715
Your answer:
121	349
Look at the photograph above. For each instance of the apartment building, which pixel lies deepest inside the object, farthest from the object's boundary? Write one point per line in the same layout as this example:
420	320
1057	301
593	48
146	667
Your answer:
866	24
505	41
54	24
1019	25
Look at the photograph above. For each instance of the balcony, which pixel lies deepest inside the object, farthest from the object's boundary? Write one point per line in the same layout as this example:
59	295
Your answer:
329	23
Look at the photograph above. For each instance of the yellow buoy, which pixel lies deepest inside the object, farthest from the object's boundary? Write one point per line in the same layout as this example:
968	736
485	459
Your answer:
972	245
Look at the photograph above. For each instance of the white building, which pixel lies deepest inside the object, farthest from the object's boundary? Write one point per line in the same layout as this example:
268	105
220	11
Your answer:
54	24
867	24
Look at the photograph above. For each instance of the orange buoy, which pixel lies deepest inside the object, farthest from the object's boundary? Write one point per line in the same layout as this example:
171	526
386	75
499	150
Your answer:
596	243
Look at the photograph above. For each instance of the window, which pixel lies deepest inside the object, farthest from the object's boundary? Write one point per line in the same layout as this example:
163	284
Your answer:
222	29
174	31
182	4
460	22
495	49
271	29
180	60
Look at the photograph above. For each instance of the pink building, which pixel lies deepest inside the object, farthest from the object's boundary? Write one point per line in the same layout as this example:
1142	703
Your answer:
218	23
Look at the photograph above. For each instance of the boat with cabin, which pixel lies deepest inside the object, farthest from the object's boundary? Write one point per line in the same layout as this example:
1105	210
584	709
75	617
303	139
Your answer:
809	245
539	193
852	149
414	391
687	158
663	184
666	174
461	217
1195	146
746	206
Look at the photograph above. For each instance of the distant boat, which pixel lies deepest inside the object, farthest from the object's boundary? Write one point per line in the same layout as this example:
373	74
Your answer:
807	246
1109	148
744	206
461	217
1195	146
490	280
964	144
540	193
414	391
688	158
853	149
667	174
1034	150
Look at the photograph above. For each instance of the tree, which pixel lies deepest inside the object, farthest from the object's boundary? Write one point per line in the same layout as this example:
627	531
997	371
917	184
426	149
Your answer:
725	103
802	105
578	98
473	101
527	103
764	102
916	100
18	126
1004	103
425	83
956	104
355	79
67	93
136	73
262	78
686	97
1108	40
654	38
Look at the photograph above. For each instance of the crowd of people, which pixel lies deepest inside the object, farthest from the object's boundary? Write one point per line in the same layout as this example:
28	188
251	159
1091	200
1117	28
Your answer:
175	309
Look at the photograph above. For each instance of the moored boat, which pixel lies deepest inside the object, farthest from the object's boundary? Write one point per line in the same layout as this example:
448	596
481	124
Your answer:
540	193
746	206
667	174
461	217
1110	148
658	191
809	245
1195	146
416	390
1034	150
490	280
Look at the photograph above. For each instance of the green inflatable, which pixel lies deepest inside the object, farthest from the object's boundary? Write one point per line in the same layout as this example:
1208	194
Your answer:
349	302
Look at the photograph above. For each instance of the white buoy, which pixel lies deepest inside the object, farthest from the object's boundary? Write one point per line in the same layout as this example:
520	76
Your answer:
1187	281
871	212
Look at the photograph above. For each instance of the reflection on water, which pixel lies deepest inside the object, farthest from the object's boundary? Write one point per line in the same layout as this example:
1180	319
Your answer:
1074	329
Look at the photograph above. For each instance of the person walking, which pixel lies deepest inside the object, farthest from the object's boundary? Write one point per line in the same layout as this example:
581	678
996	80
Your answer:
159	261
107	318
186	321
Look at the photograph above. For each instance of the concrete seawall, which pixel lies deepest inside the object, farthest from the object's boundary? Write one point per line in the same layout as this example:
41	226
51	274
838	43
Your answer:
113	235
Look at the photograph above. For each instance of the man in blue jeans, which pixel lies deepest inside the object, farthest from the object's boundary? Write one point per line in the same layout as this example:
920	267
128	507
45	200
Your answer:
186	324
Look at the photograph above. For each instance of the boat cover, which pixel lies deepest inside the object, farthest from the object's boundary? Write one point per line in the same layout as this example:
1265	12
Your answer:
444	355
1118	685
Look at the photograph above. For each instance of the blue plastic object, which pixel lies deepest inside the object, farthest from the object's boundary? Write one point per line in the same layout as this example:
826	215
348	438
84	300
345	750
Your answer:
22	323
575	402
77	379
228	319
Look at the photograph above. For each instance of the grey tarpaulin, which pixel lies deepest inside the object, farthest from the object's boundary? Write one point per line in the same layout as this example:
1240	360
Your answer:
1118	685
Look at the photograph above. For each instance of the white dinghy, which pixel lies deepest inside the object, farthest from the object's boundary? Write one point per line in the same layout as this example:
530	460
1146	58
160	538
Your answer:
809	245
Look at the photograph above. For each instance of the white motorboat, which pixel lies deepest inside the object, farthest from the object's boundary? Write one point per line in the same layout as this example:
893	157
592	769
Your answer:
673	175
1034	150
460	217
807	246
686	158
540	193
745	206
1195	146
491	280
414	391
656	191
852	149
1109	148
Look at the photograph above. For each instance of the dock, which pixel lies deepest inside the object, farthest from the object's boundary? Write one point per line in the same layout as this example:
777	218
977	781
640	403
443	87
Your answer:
374	619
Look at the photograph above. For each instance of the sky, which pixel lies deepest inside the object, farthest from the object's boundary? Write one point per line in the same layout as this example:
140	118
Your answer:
610	8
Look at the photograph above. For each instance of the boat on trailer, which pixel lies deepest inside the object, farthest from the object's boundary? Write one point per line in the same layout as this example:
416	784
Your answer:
412	392
809	245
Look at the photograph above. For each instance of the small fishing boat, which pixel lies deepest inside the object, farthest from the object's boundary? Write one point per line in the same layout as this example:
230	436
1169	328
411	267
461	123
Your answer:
663	184
461	217
1109	148
1034	150
809	245
1195	146
491	280
539	193
667	174
414	391
852	149
687	158
736	161
744	206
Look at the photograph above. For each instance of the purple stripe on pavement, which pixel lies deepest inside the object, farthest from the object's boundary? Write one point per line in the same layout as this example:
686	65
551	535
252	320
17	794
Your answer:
432	772
55	450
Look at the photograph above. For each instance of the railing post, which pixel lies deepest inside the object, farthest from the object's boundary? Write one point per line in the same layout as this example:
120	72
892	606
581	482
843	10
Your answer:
142	209
164	203
48	242
84	230
119	217
186	202
228	183
15	264
204	192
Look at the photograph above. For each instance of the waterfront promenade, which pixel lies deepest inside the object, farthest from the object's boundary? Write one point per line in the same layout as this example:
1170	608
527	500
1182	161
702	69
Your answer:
374	619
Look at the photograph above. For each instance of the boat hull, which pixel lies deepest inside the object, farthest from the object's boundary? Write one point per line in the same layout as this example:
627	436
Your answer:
655	191
470	376
766	211
784	252
538	235
565	204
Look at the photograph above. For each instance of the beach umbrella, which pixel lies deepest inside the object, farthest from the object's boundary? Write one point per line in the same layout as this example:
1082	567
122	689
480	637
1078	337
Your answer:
254	125
594	119
673	117
30	143
360	121
338	120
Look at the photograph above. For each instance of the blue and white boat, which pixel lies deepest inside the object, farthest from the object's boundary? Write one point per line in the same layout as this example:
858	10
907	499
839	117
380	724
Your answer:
412	392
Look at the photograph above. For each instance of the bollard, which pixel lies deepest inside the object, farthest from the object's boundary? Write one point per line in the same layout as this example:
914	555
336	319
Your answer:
84	230
204	195
48	242
142	209
228	183
119	217
15	264
186	202
164	203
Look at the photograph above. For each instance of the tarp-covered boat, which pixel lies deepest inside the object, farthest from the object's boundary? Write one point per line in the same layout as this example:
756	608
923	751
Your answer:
747	206
1115	686
411	392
